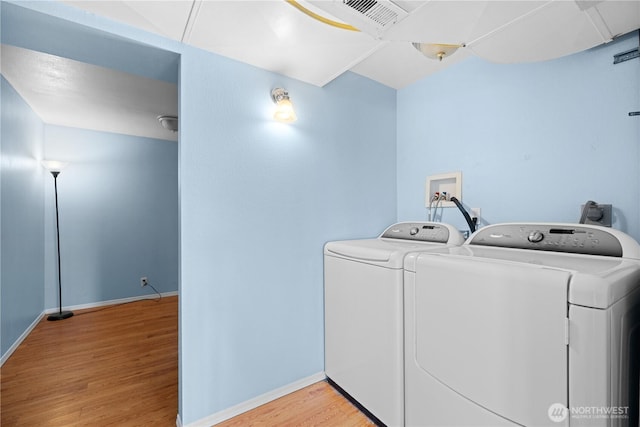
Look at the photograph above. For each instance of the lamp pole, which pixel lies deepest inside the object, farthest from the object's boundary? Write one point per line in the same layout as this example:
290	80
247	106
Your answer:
54	168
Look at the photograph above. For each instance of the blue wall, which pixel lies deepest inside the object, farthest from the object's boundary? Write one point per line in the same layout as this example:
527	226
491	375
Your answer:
118	201
533	141
259	199
21	216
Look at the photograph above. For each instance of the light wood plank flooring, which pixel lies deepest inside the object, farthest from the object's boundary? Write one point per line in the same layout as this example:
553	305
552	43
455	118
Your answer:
115	365
118	366
318	405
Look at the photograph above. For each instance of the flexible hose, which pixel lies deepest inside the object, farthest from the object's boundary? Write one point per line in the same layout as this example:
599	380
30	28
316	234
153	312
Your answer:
320	18
472	225
435	212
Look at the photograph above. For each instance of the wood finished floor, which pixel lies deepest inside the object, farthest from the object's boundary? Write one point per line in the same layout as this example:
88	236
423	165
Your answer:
318	405
108	366
118	366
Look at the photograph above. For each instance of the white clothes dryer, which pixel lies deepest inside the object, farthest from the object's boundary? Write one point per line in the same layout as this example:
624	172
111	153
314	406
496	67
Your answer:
524	325
364	313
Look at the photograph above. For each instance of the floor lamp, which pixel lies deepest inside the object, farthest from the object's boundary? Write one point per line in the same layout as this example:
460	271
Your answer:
55	168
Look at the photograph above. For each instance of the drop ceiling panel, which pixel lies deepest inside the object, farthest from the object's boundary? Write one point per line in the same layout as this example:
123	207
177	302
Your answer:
558	28
65	92
399	64
438	22
278	37
497	14
620	16
168	18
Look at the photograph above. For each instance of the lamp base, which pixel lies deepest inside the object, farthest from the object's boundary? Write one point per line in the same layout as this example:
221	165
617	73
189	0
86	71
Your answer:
60	315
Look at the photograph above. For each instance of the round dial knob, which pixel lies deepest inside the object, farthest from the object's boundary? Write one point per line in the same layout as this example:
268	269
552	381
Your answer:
535	236
414	231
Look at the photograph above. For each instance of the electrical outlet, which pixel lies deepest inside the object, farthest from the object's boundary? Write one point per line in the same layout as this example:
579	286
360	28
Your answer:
143	282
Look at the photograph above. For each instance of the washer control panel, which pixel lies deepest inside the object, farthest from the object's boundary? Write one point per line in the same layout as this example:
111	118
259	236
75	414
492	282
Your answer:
567	238
418	231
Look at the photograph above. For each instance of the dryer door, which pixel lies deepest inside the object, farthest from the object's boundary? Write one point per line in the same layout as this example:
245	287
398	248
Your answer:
494	333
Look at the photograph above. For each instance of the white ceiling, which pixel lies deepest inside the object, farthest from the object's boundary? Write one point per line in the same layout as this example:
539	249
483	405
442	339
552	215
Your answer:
70	93
274	35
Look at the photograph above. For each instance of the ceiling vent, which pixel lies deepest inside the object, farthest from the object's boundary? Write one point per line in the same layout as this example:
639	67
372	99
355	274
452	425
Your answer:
373	17
376	11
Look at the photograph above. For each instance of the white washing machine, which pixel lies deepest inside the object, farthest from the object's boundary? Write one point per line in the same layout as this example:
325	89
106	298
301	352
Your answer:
524	325
364	350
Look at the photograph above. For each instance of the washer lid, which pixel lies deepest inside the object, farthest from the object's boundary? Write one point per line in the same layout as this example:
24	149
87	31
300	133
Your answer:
604	261
595	281
386	253
390	248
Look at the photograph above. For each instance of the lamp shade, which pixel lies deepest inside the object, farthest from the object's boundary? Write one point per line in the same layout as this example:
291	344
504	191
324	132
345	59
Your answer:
284	108
54	165
284	112
437	50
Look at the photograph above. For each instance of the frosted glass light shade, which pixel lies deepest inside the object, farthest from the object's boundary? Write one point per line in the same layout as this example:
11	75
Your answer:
436	50
284	112
284	108
54	165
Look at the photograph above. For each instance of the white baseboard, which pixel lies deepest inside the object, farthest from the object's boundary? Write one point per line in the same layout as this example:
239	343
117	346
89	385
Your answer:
245	406
21	338
27	331
112	302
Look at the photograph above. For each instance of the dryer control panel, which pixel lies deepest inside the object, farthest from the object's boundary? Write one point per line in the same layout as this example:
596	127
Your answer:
569	238
424	232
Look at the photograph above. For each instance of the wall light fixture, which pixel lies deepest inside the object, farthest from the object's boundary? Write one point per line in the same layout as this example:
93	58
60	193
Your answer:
284	108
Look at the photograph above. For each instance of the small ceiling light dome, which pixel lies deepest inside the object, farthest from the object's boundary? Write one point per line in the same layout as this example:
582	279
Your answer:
437	50
169	122
284	108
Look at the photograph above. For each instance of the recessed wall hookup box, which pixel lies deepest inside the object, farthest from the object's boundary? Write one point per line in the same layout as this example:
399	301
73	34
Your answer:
449	183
